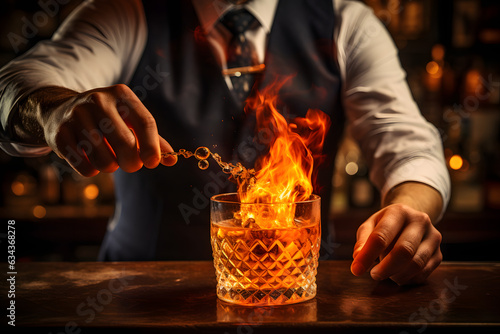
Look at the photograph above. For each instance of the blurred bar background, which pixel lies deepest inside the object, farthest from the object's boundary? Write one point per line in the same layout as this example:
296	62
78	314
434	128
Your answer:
449	49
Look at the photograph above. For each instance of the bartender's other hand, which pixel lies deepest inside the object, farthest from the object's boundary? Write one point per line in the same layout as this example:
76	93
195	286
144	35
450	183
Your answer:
103	129
405	241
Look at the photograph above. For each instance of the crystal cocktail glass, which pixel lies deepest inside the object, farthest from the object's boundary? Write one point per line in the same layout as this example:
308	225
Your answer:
258	265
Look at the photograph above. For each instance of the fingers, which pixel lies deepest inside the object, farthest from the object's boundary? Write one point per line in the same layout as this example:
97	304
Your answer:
95	146
427	257
375	236
404	240
104	129
420	278
123	142
362	235
165	147
68	149
404	250
112	144
140	120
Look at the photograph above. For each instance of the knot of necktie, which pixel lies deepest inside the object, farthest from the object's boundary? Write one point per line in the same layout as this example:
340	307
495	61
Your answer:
240	52
238	21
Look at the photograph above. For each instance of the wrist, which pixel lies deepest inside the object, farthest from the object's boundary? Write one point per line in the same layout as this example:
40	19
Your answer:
418	196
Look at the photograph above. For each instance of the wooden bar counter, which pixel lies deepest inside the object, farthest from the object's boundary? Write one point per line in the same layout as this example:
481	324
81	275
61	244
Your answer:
179	297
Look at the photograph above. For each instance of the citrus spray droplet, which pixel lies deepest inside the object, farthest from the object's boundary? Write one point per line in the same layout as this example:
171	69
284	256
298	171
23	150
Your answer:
239	173
203	164
202	153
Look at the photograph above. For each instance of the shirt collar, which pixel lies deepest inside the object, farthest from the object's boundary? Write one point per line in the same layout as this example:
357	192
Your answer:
209	12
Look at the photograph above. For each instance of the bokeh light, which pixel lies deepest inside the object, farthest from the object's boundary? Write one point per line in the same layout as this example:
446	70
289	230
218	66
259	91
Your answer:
437	52
432	67
351	168
91	191
456	162
17	188
39	211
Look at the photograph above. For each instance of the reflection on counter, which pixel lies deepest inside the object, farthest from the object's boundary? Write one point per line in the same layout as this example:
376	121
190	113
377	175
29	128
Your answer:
255	316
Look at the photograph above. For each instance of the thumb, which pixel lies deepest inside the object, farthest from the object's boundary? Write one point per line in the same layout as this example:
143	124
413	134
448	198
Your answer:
168	160
362	235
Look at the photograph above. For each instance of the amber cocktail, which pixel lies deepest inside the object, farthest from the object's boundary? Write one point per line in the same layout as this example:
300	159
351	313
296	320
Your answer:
263	263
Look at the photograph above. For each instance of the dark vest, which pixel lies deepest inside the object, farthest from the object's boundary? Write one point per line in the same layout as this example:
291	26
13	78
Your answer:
164	213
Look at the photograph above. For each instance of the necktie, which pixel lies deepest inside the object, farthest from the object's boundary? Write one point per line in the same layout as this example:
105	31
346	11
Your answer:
240	51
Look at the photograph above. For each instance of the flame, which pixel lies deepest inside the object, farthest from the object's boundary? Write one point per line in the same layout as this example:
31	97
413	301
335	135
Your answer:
285	174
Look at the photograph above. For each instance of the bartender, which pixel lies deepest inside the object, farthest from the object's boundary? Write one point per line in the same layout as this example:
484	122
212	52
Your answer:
123	80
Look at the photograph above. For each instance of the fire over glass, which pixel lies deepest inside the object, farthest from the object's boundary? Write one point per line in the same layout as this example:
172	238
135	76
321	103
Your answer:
261	265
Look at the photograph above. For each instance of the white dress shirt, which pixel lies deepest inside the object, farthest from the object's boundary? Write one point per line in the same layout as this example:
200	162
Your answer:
101	43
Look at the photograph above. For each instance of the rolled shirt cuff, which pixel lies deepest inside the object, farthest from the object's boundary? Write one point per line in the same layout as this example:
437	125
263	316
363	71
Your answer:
18	150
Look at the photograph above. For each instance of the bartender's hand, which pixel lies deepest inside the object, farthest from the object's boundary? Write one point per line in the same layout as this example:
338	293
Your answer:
97	130
402	236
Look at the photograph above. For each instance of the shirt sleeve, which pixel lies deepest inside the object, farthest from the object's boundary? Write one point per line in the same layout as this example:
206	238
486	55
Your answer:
396	140
99	44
